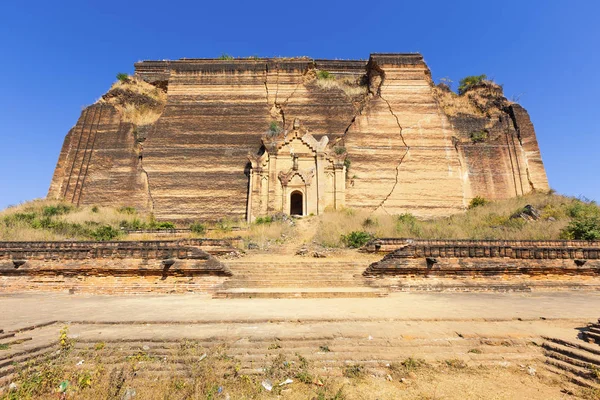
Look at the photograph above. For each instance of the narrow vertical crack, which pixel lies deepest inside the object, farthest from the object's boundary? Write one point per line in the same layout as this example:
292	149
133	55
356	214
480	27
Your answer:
147	185
140	152
266	83
382	204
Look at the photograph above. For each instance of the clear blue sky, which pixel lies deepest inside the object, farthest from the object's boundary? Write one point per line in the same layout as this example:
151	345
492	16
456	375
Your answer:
57	57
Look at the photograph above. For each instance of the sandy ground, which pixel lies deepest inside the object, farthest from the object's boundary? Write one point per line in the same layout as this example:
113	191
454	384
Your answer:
21	310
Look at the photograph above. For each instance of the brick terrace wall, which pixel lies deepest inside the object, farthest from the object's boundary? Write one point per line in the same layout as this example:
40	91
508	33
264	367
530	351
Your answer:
466	257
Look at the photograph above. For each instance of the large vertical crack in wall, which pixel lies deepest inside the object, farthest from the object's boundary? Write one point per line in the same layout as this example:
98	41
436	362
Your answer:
407	148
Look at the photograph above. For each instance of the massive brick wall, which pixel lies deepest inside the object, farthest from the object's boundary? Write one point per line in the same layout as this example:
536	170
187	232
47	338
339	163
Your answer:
406	154
98	163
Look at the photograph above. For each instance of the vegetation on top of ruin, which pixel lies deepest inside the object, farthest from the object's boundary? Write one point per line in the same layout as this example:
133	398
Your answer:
274	129
469	81
138	101
352	87
225	56
476	95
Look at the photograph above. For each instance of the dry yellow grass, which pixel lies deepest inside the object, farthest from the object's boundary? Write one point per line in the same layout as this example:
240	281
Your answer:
25	222
350	86
453	104
491	221
476	101
138	114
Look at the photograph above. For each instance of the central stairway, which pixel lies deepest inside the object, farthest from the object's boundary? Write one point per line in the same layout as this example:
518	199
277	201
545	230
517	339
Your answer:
296	277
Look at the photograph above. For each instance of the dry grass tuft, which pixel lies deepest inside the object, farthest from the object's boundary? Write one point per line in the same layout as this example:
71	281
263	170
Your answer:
352	87
484	99
453	104
269	234
138	101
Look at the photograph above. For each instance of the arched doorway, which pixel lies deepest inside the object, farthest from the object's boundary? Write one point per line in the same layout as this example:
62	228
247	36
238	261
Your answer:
296	203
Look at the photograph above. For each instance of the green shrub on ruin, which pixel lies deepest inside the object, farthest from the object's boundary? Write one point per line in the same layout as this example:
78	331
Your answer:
264	220
339	150
105	233
198	228
477	201
585	228
123	77
127	210
225	56
469	81
478	136
59	209
162	225
356	239
324	75
274	128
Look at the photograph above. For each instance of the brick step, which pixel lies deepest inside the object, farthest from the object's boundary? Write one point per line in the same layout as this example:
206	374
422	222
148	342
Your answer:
579	381
314	353
303	274
572	353
593	329
577	345
310	344
591	337
294	283
584	367
310	292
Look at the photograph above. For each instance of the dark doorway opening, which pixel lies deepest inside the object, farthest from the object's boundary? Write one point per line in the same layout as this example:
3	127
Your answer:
296	204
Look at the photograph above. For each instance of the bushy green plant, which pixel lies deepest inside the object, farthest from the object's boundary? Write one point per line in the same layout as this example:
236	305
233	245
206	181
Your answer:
127	210
123	77
225	56
105	233
477	201
407	218
339	150
163	225
324	75
198	228
274	128
51	211
134	225
95	209
468	81
582	228
356	239
479	136
264	220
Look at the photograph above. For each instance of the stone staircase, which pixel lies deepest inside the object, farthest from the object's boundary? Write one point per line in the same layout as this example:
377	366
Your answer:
591	334
576	361
297	277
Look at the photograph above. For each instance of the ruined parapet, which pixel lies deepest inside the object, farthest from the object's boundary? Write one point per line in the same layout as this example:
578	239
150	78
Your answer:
107	258
388	245
490	258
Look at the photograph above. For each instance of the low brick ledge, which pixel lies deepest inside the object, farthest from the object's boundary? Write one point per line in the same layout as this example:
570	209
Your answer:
387	245
487	258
